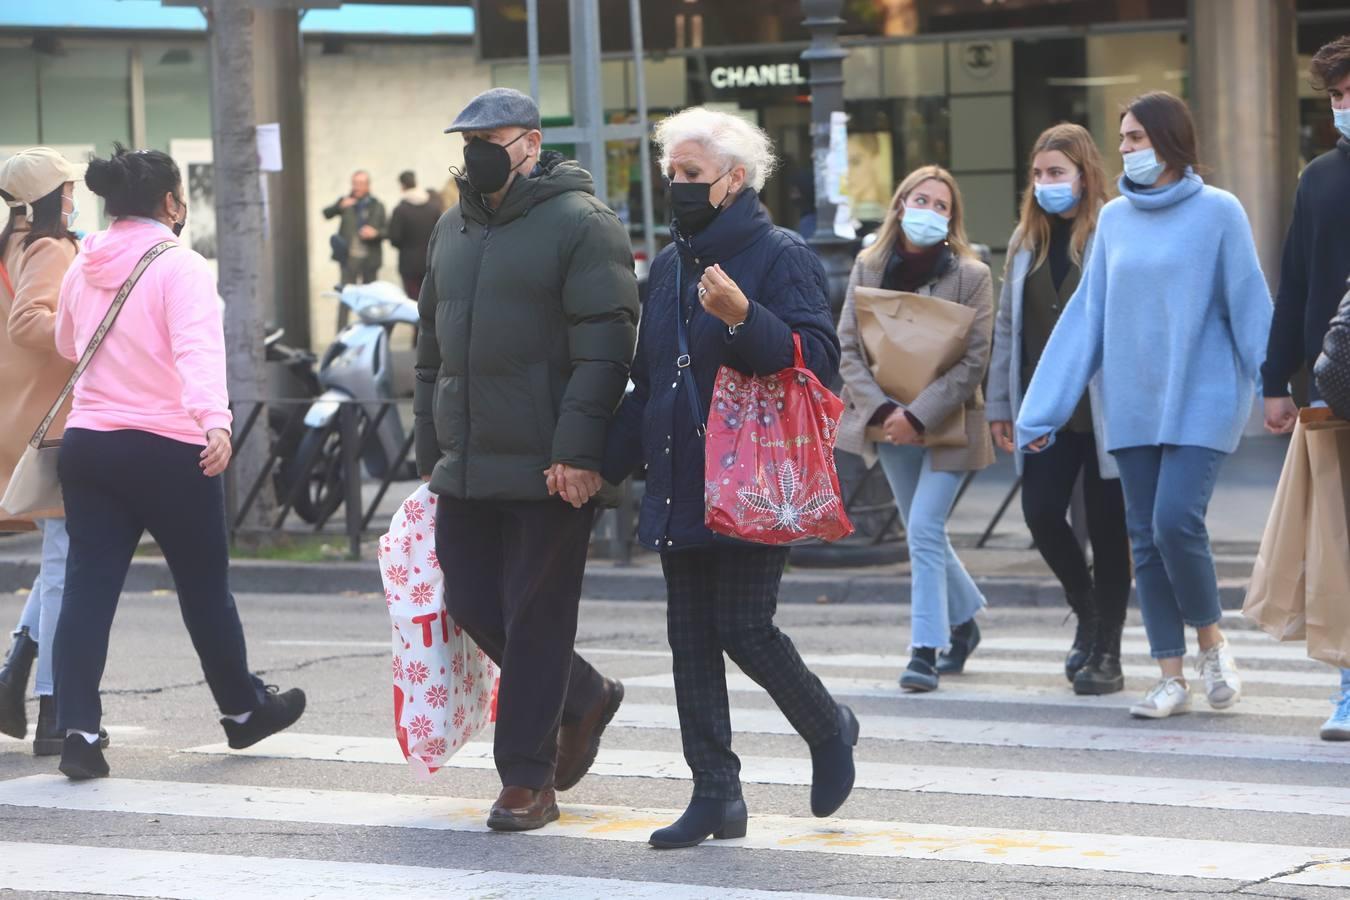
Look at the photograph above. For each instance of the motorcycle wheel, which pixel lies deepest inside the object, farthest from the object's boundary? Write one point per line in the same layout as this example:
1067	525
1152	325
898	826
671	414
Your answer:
325	483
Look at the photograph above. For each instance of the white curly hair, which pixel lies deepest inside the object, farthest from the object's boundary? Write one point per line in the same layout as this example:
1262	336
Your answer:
730	138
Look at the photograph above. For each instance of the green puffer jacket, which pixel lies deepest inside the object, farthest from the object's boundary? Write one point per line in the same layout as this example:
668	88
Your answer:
529	319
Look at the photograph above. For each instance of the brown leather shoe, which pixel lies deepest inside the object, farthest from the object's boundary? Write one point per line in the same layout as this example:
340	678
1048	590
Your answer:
579	743
523	809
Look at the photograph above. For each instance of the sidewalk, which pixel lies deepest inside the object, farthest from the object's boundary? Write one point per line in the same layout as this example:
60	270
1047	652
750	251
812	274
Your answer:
1010	572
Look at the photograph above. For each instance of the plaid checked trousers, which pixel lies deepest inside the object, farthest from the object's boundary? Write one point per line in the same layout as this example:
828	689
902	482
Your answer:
723	599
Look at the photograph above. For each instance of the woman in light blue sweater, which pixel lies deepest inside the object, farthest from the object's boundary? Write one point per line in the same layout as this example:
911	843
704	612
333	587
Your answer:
1173	311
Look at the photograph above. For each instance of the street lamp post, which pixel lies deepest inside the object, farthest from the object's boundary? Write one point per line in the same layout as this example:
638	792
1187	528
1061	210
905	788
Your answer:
825	59
870	505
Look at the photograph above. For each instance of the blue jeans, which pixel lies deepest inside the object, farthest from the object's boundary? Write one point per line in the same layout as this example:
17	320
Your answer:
942	593
1167	492
43	608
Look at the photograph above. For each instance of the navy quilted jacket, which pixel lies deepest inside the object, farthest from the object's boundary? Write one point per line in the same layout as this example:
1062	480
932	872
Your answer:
788	292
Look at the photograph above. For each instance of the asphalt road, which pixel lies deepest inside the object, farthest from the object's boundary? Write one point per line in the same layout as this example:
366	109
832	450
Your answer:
999	785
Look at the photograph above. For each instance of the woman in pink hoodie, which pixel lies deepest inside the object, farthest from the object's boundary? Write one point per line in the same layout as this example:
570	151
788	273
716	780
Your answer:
146	442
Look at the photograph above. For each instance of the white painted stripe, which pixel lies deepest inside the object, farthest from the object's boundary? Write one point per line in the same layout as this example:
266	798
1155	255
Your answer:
1268	649
1007	694
1316	675
125	731
1093	788
383	645
207	876
996	846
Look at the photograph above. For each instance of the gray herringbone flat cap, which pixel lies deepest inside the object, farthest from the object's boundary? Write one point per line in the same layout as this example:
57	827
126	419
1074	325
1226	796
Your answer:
497	108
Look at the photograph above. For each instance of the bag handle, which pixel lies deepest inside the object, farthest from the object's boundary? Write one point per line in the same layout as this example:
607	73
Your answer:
684	362
99	334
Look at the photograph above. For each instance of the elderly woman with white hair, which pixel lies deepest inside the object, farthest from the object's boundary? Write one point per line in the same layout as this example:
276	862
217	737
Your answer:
730	290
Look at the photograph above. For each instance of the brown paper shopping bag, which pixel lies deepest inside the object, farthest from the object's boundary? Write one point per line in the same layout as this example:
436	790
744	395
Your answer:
1328	589
1275	601
910	340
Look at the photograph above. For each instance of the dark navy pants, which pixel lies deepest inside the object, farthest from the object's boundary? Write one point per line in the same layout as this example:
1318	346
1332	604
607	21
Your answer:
118	485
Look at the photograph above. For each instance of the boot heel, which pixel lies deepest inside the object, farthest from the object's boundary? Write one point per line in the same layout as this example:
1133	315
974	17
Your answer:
731	830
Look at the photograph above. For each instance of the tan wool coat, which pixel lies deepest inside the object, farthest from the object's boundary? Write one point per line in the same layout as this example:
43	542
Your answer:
32	373
962	280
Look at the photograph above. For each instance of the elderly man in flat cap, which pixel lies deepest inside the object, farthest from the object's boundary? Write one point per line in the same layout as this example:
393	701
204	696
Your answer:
529	320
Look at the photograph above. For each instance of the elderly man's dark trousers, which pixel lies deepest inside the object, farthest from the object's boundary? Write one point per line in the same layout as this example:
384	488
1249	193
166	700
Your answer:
513	575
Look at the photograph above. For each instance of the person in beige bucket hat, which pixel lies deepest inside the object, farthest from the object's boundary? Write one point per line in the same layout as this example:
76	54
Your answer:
36	248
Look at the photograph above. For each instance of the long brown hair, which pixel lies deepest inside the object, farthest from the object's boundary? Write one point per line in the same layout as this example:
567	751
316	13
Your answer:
889	232
1033	227
1170	128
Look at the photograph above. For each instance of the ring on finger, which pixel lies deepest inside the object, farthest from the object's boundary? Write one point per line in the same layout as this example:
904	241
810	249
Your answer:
702	291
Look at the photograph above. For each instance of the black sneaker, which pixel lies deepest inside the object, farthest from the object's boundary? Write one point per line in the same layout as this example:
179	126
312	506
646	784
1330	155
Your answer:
277	713
81	760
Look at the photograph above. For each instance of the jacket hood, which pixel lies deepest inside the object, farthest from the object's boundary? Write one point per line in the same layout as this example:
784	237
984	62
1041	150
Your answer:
107	257
554	174
417	196
1159	198
735	228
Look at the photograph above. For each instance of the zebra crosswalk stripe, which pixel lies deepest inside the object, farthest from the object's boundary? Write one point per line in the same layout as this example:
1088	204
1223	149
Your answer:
979	782
994	846
207	876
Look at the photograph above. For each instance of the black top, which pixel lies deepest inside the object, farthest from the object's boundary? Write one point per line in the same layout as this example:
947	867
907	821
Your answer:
1045	293
909	271
1313	271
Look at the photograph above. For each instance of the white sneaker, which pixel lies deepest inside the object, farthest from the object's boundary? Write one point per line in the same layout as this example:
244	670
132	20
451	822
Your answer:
1169	697
1223	685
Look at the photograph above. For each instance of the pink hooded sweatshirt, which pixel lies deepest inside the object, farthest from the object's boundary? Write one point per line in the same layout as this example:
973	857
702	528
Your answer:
161	367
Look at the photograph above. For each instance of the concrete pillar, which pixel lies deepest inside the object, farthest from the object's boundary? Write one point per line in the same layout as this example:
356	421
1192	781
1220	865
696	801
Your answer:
1244	94
278	79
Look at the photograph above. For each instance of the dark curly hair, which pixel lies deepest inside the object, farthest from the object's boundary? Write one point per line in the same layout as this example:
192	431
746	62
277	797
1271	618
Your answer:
1331	64
134	182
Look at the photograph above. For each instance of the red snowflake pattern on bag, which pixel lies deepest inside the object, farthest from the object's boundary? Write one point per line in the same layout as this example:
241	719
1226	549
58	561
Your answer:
423	594
437	696
417	672
414	510
459	717
435	750
398	669
420	727
397	575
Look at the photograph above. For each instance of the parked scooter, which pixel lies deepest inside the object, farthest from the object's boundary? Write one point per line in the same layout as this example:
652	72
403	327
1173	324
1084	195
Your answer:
286	421
356	366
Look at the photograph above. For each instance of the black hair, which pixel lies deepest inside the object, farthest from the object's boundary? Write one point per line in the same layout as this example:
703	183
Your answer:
134	182
407	179
1170	128
47	221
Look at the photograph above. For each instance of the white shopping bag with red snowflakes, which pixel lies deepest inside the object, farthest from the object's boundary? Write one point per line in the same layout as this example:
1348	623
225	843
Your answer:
445	686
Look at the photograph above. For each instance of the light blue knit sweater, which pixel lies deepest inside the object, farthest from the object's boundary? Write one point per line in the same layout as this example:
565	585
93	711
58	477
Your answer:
1174	312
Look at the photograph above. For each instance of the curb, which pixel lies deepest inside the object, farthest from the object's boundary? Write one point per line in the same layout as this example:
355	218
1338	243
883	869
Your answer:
602	582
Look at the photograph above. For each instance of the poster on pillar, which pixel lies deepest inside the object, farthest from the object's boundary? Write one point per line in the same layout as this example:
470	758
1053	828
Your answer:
90	212
195	163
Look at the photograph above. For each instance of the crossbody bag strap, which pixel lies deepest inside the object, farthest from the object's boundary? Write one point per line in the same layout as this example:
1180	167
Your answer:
99	334
684	362
4	276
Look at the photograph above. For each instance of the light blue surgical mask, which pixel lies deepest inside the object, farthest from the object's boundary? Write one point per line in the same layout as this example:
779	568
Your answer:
924	227
1057	198
1142	167
73	214
1342	120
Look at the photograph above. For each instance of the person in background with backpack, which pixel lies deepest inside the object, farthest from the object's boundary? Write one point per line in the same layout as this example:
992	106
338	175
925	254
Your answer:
1065	194
410	227
1313	273
145	445
35	253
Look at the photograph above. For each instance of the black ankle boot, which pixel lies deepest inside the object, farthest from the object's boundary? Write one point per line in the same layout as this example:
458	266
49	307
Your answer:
81	760
719	819
14	685
832	769
49	740
1085	610
965	638
1102	674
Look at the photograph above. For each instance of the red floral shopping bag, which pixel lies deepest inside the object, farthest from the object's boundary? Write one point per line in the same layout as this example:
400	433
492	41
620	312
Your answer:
445	686
769	458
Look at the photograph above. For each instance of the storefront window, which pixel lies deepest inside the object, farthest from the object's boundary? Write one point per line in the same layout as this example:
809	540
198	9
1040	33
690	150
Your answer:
177	93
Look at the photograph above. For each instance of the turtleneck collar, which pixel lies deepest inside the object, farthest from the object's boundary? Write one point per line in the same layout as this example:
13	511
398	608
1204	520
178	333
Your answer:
1158	198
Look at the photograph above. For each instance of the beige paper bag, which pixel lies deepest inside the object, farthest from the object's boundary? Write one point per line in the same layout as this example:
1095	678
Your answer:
1328	582
910	341
1275	601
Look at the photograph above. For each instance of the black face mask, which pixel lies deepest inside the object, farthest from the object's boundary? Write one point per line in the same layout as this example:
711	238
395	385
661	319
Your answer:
691	204
488	165
178	225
